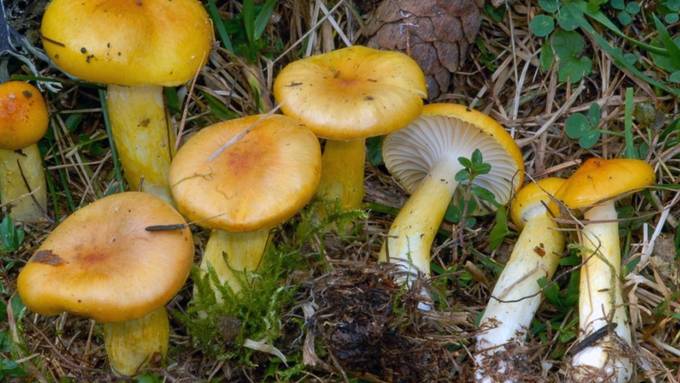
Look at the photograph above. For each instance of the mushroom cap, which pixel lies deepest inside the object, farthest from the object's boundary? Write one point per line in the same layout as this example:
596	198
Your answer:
23	115
534	195
352	93
599	179
128	42
262	178
100	262
445	132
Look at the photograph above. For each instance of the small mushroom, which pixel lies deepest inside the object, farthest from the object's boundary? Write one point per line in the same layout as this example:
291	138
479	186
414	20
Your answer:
102	263
136	48
423	157
594	188
241	178
346	96
23	122
517	295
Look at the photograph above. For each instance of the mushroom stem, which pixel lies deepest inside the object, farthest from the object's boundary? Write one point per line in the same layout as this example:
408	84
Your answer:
22	184
516	296
142	137
132	344
410	237
342	177
230	253
601	298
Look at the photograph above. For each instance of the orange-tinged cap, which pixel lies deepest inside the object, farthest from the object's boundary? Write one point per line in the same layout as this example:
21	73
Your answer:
102	263
246	174
535	195
23	115
128	42
598	179
353	92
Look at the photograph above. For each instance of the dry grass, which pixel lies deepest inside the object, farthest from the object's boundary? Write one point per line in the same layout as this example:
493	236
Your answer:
501	78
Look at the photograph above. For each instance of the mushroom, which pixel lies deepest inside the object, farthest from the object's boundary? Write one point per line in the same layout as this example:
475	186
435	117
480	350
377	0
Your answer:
423	157
23	122
517	295
346	96
241	178
102	263
594	187
137	48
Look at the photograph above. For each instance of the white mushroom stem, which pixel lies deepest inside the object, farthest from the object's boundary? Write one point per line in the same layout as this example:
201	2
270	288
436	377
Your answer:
410	237
142	136
131	344
517	295
22	184
601	299
233	253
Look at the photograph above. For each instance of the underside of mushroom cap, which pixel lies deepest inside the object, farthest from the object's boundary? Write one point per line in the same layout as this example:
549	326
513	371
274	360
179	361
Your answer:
439	135
23	115
534	195
352	93
128	42
102	263
246	174
599	179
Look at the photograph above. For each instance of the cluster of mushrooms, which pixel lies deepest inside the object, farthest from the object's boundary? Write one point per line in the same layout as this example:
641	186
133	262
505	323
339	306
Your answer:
241	178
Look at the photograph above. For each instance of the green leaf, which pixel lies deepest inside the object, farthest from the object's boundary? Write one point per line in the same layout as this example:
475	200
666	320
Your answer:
671	46
172	100
628	124
574	69
567	44
462	175
147	378
673	5
633	8
671	18
675	77
549	5
624	18
570	16
589	139
542	25
477	158
594	114
547	56
374	150
617	4
11	236
630	58
248	12
576	126
10	369
500	228
482	169
217	108
263	18
550	290
484	194
219	25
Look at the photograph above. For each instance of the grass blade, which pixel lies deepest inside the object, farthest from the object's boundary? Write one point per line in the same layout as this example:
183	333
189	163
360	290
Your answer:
628	124
219	25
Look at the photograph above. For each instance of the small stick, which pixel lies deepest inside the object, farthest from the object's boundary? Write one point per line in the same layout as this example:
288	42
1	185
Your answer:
171	227
592	338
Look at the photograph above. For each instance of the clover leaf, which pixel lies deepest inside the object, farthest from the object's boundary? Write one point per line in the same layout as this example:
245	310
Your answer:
584	127
542	25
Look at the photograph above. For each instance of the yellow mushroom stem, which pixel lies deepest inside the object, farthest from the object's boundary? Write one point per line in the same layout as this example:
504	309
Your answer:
410	237
601	297
22	184
231	253
131	344
342	175
516	296
142	136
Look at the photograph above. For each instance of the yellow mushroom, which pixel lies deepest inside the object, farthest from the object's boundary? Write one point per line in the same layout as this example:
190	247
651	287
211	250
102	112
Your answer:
23	122
136	47
594	188
423	157
102	263
346	96
241	178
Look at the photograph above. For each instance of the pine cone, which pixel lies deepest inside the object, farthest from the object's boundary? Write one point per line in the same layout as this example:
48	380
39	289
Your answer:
436	33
